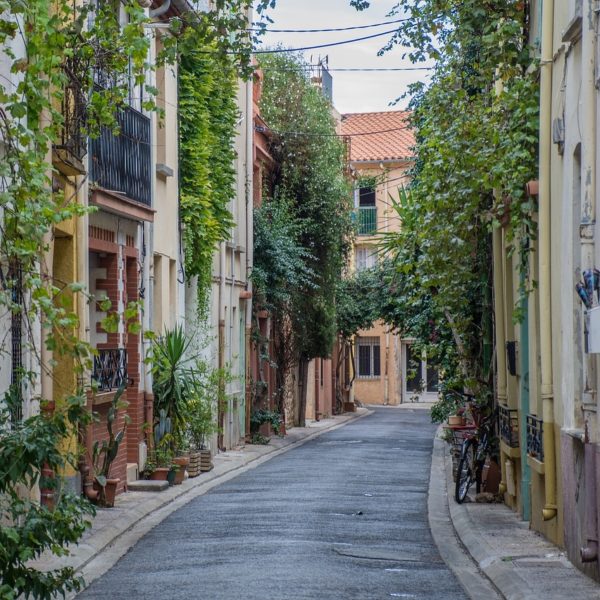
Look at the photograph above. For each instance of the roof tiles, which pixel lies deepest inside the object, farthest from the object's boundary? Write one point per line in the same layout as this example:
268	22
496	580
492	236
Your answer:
394	142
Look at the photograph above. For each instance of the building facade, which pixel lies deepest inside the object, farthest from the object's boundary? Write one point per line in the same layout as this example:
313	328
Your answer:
384	371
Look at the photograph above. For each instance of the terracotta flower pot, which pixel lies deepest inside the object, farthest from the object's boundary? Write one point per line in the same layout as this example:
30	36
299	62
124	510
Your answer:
160	474
110	491
182	462
455	420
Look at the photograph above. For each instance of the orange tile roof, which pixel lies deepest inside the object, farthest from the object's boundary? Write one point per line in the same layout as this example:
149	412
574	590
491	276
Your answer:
396	142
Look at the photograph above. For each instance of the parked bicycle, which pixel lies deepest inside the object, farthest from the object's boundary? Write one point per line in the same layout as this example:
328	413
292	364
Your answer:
474	451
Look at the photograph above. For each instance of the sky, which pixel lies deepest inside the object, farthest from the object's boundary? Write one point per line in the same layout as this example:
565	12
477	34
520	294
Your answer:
354	91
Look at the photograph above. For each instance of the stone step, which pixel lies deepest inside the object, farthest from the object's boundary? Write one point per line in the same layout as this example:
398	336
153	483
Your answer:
147	485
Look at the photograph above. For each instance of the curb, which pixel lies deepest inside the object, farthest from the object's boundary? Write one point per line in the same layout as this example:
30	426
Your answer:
510	584
95	559
447	538
505	579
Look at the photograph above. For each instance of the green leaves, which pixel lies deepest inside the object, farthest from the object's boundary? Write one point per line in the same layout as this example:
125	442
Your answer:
476	145
208	115
309	184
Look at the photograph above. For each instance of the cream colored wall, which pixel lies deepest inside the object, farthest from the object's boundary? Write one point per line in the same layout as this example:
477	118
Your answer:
386	389
229	278
165	266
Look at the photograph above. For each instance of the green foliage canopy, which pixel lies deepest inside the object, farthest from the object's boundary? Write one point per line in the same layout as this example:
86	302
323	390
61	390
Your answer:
309	178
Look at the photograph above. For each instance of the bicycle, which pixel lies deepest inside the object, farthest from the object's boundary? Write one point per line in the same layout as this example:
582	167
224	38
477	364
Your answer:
474	451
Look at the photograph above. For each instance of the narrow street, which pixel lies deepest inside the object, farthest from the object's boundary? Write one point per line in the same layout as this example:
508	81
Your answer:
343	516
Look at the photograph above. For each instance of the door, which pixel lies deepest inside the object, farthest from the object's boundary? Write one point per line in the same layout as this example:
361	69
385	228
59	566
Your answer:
420	378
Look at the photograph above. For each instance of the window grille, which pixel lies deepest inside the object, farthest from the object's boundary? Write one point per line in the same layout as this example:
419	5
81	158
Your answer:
368	357
16	332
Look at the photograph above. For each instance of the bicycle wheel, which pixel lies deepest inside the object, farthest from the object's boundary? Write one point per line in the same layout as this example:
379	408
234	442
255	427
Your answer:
466	473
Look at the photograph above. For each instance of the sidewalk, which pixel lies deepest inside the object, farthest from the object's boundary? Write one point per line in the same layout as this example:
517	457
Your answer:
507	559
117	529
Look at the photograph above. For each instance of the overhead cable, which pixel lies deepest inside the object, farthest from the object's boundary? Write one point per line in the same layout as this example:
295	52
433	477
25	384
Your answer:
317	46
329	29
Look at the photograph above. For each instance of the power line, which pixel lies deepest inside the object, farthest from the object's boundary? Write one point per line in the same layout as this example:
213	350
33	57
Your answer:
356	69
351	69
329	45
328	29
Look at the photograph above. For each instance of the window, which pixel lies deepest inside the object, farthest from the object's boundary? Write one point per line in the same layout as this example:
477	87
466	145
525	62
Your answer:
366	257
366	196
368	357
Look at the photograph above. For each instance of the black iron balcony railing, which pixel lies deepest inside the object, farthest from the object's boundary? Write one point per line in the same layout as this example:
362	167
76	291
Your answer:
509	426
73	109
110	369
535	437
366	219
122	163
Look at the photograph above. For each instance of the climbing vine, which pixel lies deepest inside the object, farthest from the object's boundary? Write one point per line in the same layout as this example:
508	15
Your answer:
208	115
61	55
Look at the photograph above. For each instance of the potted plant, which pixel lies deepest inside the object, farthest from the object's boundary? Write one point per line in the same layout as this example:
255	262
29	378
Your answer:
201	423
105	452
172	382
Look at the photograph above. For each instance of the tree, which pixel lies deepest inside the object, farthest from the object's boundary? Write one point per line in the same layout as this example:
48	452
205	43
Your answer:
310	179
476	127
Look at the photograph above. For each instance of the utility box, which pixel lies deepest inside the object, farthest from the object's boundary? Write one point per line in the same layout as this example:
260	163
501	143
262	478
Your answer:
593	330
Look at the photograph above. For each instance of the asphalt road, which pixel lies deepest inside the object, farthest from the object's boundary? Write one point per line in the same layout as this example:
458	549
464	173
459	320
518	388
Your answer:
342	517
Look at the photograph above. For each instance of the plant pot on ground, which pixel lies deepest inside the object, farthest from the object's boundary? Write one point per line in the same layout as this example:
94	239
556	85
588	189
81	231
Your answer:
109	492
105	452
181	462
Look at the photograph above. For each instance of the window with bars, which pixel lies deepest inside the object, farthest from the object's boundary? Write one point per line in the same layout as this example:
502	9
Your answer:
368	357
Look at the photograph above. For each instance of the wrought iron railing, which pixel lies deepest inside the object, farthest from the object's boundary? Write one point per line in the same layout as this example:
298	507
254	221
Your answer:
73	109
535	437
366	217
122	163
509	426
110	369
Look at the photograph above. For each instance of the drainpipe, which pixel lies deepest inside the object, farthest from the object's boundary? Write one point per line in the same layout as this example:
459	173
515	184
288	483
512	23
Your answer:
161	10
221	338
524	395
545	318
500	330
249	238
589	553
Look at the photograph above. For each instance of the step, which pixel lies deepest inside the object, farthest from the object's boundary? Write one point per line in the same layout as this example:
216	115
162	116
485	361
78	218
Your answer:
147	485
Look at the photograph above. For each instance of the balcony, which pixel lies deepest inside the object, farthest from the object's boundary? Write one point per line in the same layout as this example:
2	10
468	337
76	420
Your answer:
535	438
366	219
122	163
509	426
110	369
71	147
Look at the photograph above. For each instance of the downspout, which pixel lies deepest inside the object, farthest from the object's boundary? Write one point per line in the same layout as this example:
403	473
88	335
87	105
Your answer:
589	553
221	341
499	300
545	318
524	395
249	239
161	10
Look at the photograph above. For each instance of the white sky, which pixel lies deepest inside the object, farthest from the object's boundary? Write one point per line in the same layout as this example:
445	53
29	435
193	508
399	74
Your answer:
354	91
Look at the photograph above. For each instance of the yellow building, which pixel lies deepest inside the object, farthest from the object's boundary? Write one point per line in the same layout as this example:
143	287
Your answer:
381	145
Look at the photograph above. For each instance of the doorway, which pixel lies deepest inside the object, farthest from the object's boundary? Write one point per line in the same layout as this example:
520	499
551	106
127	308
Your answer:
420	378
